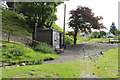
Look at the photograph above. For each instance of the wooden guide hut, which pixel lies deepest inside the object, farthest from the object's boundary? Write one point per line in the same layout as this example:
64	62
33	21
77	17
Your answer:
51	37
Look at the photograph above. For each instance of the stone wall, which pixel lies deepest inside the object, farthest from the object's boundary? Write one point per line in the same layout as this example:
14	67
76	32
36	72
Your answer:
24	40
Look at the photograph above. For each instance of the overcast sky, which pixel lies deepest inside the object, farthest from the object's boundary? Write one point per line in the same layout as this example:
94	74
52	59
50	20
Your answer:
108	9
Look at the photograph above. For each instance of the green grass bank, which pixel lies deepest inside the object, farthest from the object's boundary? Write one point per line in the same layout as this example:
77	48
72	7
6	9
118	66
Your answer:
106	66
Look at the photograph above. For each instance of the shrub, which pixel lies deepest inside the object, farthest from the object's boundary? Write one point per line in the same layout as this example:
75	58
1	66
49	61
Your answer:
102	34
90	37
117	32
69	39
35	61
95	34
44	47
117	36
13	51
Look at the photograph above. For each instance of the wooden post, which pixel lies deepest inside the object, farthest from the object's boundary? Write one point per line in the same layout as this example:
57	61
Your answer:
9	37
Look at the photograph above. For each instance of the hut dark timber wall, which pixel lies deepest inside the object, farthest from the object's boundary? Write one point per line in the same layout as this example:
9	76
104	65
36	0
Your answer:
51	37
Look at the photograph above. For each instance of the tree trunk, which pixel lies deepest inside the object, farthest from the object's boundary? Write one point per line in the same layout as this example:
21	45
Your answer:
34	36
75	36
8	37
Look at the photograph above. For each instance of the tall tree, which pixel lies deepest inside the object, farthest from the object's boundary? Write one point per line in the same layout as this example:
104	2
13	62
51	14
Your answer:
113	28
83	19
39	14
43	11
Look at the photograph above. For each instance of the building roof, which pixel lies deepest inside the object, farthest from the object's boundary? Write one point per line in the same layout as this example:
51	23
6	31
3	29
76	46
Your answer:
51	30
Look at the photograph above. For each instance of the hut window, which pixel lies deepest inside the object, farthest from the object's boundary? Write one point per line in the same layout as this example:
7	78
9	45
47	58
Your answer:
56	36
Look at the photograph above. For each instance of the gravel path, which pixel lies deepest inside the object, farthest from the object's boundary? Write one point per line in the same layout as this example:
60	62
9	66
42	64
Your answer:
75	52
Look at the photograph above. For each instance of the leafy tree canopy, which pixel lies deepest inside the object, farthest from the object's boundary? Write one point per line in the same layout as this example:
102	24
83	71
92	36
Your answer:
44	12
113	28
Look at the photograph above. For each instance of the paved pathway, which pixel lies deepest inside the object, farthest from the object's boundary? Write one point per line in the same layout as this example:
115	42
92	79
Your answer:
75	52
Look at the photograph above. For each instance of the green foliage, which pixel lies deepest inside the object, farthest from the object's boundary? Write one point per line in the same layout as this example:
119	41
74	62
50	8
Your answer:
71	33
56	27
36	61
117	36
14	24
108	68
13	52
43	11
69	39
18	52
113	28
90	37
95	34
102	34
117	32
44	47
81	39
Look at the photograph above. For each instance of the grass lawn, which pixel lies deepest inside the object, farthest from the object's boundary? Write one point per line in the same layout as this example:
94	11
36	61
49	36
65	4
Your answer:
99	40
105	66
82	39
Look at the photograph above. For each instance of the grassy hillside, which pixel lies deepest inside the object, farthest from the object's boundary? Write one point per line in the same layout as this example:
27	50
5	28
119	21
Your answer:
105	66
14	24
17	52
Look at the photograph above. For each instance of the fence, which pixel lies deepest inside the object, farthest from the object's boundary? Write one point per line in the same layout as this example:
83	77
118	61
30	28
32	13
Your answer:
114	40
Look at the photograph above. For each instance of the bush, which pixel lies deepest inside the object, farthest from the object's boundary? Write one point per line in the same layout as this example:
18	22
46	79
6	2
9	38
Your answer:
69	39
117	36
15	52
90	37
102	34
117	32
44	47
36	61
95	34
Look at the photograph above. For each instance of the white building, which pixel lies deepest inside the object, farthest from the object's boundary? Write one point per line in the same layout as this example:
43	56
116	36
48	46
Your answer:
87	35
110	34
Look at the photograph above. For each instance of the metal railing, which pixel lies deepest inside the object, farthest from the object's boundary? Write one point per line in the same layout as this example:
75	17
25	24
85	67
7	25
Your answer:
114	40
